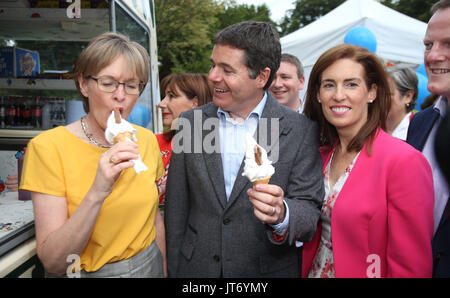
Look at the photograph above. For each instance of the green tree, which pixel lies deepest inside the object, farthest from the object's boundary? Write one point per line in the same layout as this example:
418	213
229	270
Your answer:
305	12
185	30
235	13
184	34
418	9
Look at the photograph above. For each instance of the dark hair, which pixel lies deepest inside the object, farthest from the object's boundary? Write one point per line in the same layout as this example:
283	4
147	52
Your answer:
378	109
260	42
443	4
429	100
192	85
294	61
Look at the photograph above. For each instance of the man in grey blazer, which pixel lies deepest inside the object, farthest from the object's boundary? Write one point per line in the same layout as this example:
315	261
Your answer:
217	224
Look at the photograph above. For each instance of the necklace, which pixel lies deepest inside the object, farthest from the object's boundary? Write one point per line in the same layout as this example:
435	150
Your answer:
90	136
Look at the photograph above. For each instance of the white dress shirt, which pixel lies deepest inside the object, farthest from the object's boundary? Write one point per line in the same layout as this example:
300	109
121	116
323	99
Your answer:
441	188
232	145
401	131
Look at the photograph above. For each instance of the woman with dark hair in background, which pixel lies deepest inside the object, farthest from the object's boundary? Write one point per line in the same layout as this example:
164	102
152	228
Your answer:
182	92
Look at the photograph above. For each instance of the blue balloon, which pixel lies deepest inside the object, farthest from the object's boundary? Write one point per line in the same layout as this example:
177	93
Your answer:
362	37
421	69
423	91
140	115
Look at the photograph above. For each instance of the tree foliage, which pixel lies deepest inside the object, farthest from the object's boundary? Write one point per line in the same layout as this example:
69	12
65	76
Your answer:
235	13
184	34
418	9
185	29
305	12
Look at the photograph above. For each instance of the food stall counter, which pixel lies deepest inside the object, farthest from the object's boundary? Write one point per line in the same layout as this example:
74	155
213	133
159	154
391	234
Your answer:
17	243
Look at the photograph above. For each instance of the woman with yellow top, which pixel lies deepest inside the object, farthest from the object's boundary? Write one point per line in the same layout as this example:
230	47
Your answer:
90	206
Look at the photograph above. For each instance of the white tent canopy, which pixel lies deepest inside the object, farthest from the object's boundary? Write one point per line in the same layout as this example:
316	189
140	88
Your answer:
399	37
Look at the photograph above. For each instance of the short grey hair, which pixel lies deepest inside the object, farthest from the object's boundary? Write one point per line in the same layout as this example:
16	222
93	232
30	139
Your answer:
295	61
405	79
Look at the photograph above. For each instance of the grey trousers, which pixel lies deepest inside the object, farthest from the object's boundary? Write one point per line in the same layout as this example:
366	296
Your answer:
146	264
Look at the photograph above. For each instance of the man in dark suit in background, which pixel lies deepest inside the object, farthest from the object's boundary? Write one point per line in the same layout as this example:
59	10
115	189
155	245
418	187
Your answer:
423	128
217	225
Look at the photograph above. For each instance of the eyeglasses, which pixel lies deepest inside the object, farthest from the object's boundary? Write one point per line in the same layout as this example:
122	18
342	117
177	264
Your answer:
110	85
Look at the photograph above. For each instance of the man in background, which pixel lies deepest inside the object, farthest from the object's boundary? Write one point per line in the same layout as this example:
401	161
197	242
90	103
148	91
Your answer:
288	82
423	128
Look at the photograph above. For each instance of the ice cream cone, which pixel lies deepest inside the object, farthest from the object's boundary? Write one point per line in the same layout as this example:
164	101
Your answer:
122	137
257	167
120	130
261	181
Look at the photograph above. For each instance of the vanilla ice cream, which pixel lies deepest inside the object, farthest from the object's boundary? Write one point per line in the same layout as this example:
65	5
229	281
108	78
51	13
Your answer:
114	130
257	166
120	130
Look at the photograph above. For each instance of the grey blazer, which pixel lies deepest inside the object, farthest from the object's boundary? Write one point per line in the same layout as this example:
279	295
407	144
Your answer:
210	237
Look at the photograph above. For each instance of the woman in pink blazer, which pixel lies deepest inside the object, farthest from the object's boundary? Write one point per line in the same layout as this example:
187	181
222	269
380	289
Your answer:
377	215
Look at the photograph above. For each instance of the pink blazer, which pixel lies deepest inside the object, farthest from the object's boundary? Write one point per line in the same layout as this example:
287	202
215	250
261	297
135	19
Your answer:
382	220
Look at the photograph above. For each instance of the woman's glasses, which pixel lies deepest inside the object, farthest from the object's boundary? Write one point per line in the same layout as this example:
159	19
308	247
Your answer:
110	85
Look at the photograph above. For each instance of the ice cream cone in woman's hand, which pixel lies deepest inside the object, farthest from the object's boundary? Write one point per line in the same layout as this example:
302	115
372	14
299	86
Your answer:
120	130
122	137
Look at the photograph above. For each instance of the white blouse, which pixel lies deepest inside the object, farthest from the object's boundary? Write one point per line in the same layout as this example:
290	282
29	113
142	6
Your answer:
401	131
323	263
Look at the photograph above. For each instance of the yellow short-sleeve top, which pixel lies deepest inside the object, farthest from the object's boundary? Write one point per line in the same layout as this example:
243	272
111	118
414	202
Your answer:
59	163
